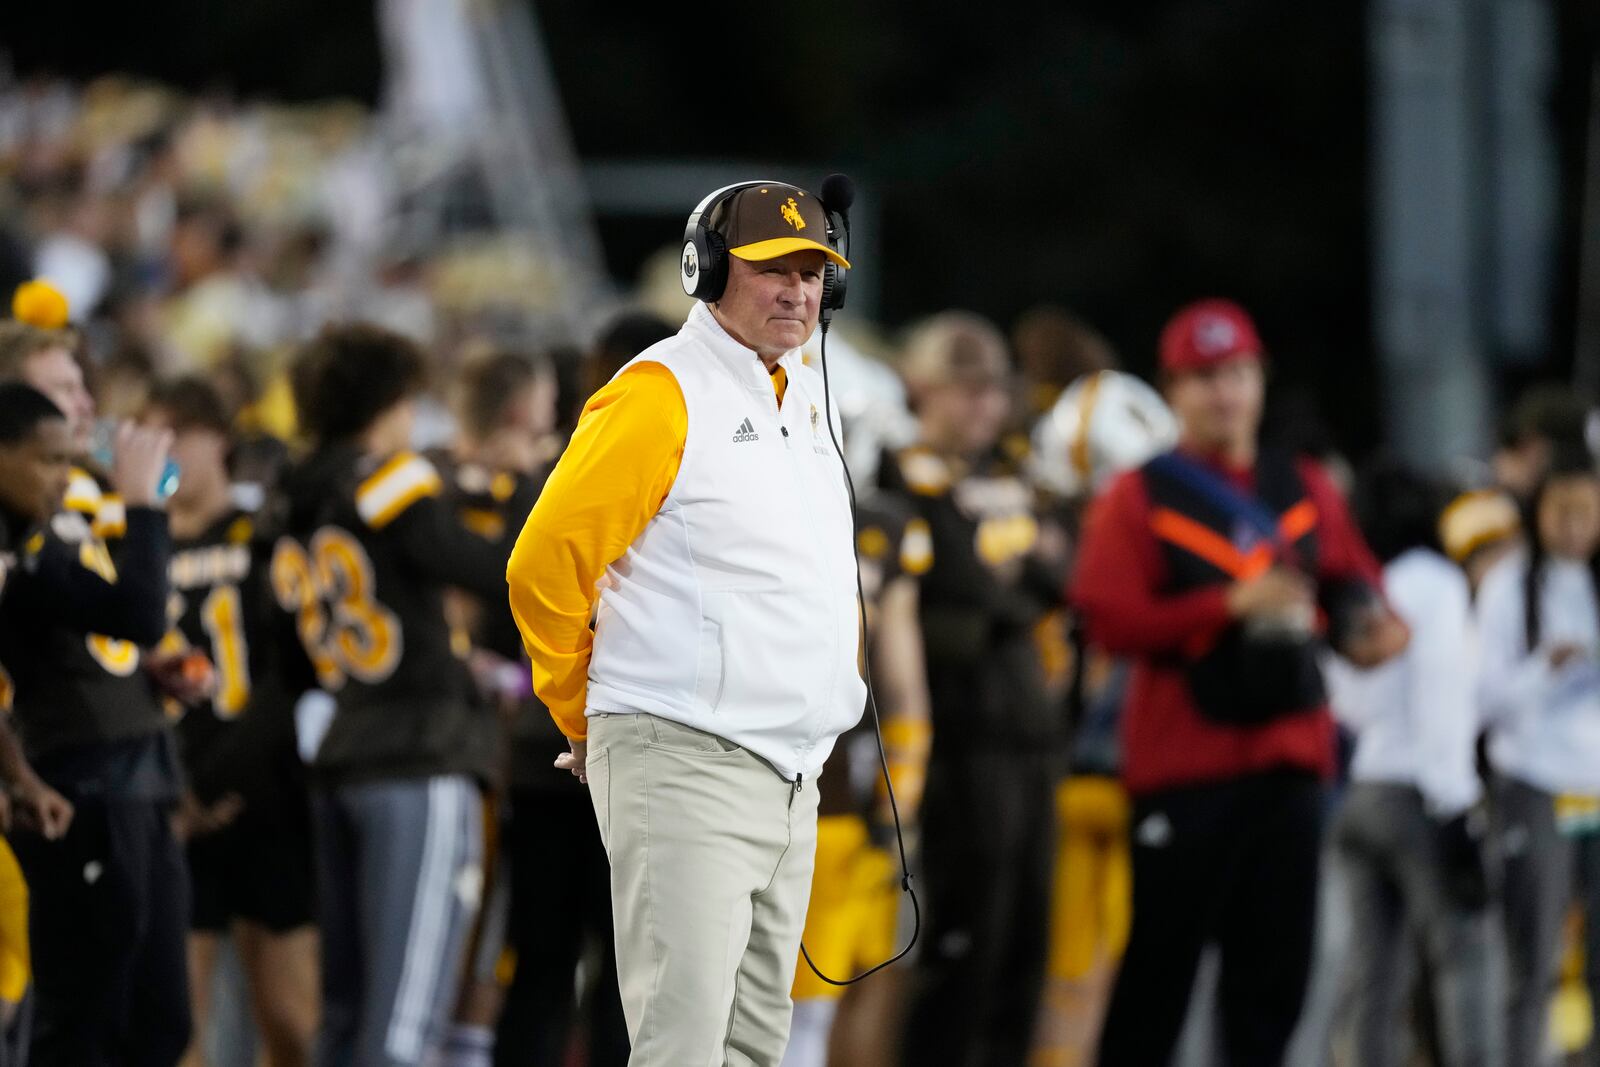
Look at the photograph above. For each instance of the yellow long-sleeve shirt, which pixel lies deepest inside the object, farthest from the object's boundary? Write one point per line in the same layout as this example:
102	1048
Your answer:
609	483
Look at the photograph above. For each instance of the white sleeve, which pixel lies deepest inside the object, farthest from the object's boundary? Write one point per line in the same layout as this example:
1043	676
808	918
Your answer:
1512	680
1443	695
1348	687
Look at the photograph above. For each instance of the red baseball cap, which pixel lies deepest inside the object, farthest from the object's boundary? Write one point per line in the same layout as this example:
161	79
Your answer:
1209	333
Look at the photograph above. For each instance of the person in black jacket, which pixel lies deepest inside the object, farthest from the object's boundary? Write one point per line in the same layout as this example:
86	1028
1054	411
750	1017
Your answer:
110	896
35	467
397	802
245	818
988	815
553	921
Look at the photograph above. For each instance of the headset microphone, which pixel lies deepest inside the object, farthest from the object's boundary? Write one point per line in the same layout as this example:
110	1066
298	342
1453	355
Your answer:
837	193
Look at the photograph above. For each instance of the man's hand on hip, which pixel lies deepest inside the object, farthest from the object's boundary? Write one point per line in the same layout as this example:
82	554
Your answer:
576	760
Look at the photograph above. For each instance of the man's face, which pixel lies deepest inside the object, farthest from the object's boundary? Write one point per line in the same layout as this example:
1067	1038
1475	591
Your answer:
57	375
1569	516
201	454
1219	407
772	305
34	471
1519	468
533	411
967	416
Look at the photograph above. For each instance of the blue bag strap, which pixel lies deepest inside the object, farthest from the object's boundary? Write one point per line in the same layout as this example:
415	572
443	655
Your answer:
1219	491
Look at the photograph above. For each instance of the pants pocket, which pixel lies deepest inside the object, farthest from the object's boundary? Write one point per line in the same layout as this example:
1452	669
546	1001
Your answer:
598	770
676	737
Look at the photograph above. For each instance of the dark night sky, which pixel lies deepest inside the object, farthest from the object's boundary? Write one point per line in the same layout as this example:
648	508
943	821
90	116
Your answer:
1116	157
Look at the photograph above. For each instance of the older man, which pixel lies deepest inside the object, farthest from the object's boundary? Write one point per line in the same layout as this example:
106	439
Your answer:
701	501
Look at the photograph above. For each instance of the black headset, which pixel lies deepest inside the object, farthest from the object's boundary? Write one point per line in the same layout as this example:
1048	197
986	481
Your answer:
703	269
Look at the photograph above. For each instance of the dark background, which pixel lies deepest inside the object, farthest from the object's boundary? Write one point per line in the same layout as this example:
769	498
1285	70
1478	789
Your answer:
1119	158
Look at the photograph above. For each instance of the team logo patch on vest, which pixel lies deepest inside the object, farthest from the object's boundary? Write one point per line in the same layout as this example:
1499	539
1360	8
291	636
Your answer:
745	432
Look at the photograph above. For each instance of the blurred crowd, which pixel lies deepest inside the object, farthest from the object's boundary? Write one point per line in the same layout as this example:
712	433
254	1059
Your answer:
209	235
201	833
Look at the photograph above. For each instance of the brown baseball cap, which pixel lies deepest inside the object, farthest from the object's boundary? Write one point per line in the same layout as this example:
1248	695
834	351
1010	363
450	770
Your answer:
767	221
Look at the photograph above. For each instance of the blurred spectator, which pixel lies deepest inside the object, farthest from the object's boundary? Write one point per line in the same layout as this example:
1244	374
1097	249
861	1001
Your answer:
1106	422
371	546
70	251
504	404
1054	349
260	424
1477	529
1547	419
1409	836
989	809
45	359
853	918
216	299
1206	565
1539	624
504	411
121	384
624	337
110	897
244	817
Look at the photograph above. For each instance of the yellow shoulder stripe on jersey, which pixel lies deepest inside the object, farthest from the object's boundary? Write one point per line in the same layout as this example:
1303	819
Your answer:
925	472
872	542
502	485
916	548
83	492
110	518
395	486
485	522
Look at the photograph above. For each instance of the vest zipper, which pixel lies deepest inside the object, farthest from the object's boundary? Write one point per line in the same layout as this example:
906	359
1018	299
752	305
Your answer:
796	790
822	557
777	409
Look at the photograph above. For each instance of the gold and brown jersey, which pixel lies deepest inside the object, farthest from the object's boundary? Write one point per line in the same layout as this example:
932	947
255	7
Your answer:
983	598
371	547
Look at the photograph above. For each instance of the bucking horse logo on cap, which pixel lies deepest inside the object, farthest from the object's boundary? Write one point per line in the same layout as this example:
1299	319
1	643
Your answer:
791	214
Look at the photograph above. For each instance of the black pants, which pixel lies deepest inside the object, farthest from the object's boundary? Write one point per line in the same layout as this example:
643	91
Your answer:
560	903
988	857
109	910
1233	863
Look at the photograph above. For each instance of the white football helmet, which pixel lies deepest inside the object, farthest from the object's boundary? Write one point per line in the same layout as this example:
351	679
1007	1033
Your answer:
1103	424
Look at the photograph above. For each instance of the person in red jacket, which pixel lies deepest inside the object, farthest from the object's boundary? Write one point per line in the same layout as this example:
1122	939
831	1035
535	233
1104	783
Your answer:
1221	568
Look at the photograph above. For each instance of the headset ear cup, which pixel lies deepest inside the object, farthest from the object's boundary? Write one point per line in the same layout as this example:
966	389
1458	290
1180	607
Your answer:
691	272
714	267
835	279
703	267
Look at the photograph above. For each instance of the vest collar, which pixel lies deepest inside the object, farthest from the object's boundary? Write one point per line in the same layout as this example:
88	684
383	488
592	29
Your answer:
745	366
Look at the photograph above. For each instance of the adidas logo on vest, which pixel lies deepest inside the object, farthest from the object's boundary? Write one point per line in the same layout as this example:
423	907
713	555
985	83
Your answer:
745	432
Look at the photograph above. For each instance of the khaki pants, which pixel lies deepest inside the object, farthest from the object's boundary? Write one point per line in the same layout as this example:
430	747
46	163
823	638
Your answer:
711	856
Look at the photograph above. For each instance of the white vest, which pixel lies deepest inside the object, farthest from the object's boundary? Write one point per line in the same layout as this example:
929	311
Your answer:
735	610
